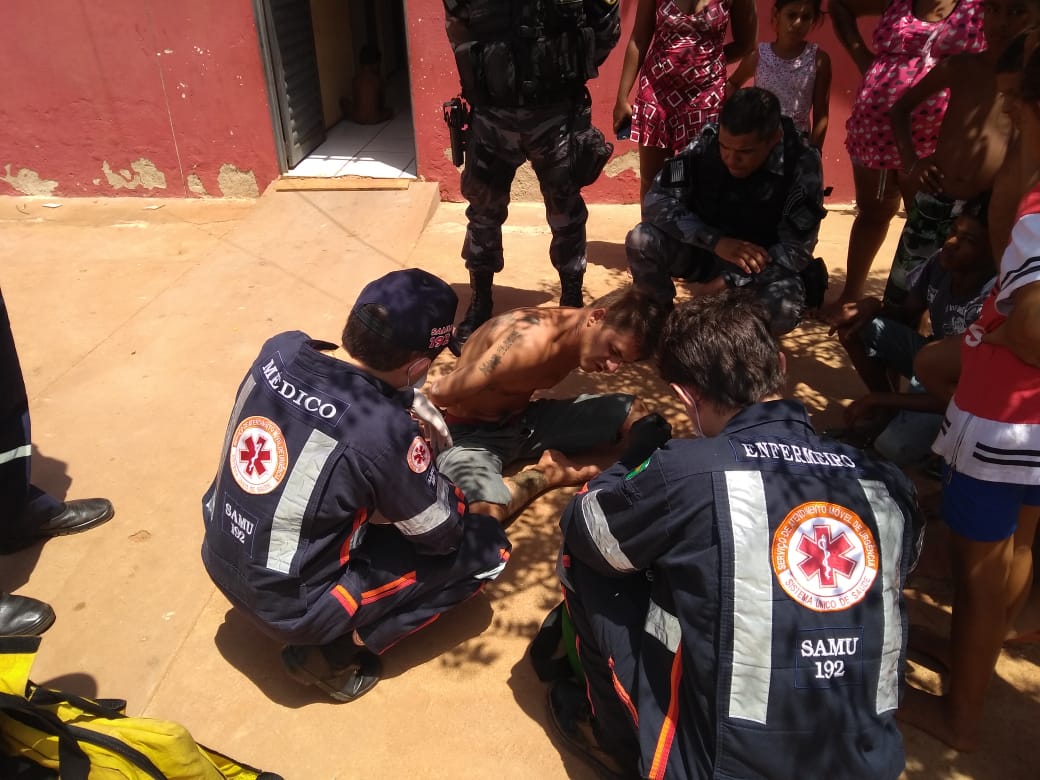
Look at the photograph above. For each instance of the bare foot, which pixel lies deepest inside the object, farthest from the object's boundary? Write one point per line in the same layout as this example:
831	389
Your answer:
932	644
561	471
928	713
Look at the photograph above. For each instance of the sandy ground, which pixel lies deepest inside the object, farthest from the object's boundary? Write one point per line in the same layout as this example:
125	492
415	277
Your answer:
135	321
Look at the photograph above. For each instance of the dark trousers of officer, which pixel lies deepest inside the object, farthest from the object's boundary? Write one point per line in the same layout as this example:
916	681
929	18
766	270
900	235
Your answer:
16	493
655	258
609	616
500	140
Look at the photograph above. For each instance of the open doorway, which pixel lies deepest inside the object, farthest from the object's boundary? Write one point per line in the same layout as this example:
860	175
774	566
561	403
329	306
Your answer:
312	51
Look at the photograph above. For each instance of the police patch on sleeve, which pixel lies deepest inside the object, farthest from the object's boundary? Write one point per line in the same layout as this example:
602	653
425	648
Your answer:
258	455
824	556
419	457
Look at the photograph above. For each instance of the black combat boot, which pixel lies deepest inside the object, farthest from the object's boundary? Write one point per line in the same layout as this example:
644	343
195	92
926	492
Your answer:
570	290
479	310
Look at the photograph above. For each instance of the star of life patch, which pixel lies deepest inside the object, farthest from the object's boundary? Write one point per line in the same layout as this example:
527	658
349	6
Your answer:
258	456
419	457
824	556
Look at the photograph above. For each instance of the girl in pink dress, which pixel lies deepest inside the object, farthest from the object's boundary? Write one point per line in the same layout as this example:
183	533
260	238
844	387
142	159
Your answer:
910	38
677	50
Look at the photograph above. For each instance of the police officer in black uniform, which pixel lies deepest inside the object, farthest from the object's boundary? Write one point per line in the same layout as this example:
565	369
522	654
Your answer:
523	65
29	514
738	596
740	206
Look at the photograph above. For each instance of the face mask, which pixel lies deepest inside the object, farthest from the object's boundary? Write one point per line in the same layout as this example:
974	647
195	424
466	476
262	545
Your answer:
418	382
697	429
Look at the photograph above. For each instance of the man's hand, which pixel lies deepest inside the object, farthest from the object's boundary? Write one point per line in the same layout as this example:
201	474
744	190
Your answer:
749	258
850	317
925	175
432	423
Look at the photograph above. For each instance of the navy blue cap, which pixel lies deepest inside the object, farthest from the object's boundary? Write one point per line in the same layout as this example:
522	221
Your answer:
420	309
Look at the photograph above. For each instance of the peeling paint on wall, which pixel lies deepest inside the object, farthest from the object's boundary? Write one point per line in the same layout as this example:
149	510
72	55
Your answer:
28	182
234	183
145	175
196	187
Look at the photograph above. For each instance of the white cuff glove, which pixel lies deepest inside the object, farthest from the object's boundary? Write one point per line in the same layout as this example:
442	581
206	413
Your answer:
432	423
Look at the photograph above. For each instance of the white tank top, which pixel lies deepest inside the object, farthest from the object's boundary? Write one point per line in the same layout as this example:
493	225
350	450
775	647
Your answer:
792	81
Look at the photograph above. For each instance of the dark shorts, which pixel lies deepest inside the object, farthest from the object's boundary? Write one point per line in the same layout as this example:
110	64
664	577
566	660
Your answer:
572	425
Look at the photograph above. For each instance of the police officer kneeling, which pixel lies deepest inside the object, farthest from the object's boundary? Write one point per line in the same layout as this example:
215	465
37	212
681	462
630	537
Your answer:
739	207
328	523
738	596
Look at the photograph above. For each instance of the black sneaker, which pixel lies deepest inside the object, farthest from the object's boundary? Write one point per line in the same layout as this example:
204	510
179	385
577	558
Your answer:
571	716
343	675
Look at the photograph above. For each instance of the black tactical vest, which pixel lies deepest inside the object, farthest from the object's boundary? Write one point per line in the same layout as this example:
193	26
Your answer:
521	52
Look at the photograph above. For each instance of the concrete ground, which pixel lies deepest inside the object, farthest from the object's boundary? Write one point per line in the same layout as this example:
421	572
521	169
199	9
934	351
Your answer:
135	321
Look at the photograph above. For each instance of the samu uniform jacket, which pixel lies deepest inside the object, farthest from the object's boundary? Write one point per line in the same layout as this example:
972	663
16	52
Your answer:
327	513
774	637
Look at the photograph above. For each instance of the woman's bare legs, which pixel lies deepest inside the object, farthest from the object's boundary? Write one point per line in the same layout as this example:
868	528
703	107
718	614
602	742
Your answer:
873	215
651	160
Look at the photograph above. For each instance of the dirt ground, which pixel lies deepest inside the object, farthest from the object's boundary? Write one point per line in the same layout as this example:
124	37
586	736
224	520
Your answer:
135	321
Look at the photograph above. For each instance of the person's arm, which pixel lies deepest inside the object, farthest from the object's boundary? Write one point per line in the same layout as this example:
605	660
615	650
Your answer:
625	519
743	22
411	494
821	103
744	71
924	173
1020	332
911	402
799	225
604	16
844	16
635	52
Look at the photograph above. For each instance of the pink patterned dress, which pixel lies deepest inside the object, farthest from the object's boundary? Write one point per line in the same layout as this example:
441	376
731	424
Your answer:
906	48
683	79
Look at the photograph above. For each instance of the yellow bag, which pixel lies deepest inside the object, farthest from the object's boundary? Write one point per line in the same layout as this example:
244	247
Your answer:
87	738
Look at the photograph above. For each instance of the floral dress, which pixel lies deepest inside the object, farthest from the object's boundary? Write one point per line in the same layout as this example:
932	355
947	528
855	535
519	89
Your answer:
906	48
683	79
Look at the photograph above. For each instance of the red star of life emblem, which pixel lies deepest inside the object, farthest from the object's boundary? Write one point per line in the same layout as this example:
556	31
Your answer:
254	454
825	555
419	457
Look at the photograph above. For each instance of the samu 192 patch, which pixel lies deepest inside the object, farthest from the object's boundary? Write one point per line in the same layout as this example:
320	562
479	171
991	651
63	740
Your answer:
824	556
258	457
419	457
828	657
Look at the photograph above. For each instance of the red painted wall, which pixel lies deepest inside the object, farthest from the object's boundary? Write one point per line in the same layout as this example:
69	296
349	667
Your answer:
142	86
434	79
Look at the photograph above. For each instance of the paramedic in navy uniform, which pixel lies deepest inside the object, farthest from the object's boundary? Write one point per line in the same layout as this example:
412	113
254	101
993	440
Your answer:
738	596
328	522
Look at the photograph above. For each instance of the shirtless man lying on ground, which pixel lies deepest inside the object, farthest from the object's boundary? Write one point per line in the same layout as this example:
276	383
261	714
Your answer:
488	397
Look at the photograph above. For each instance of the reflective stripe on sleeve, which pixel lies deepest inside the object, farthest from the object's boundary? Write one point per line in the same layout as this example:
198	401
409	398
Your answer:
287	523
236	412
752	603
599	531
663	626
437	513
18	452
890	546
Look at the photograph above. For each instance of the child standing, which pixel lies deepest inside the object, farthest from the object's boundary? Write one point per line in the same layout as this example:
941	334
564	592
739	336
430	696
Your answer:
796	71
991	484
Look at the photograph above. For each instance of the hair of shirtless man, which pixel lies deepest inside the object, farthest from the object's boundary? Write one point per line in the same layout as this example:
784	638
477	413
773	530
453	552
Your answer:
511	357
